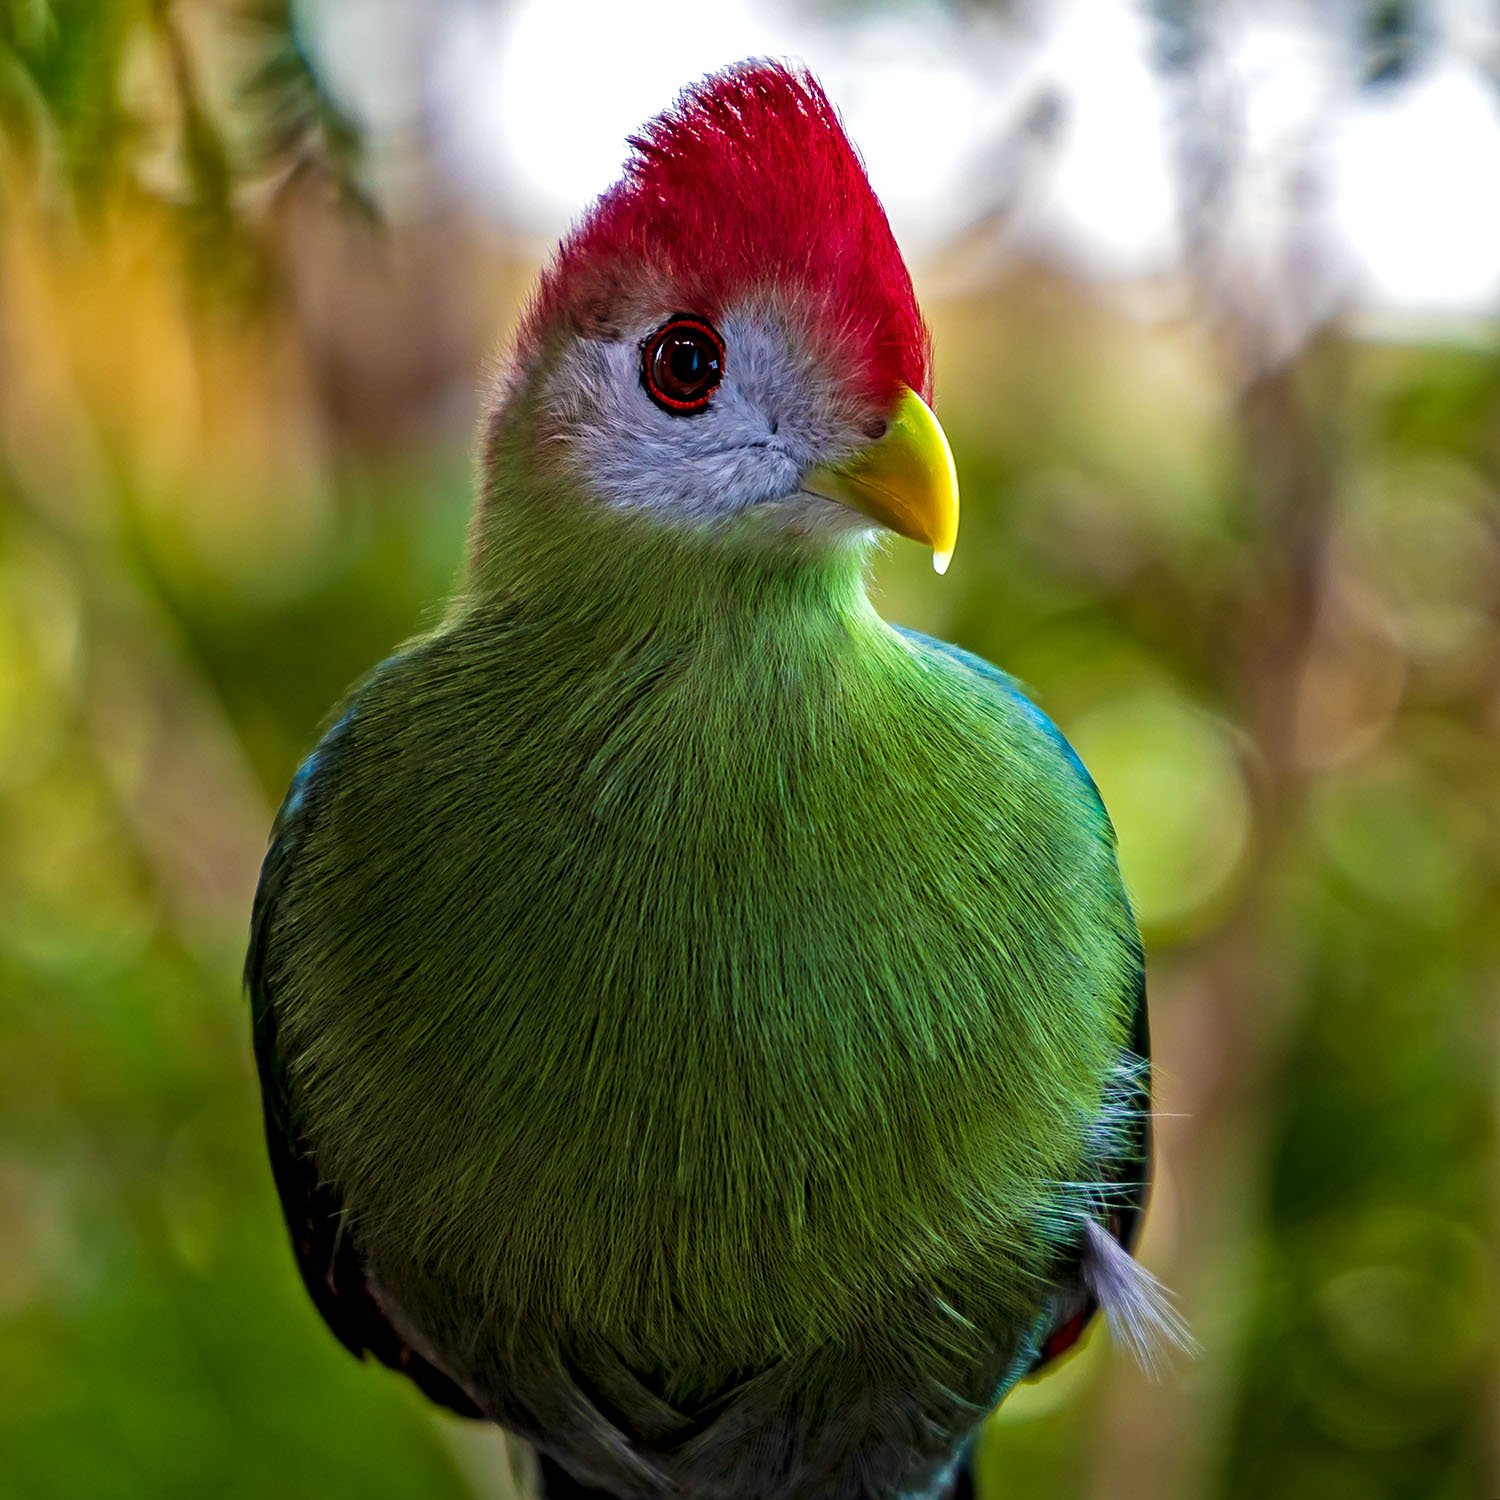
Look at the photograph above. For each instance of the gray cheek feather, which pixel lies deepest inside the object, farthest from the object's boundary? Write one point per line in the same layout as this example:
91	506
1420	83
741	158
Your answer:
772	417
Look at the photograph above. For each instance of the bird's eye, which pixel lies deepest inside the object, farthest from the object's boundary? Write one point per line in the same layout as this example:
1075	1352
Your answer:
682	364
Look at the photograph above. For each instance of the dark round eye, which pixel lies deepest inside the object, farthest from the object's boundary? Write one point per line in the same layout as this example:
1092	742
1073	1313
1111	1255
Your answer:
682	364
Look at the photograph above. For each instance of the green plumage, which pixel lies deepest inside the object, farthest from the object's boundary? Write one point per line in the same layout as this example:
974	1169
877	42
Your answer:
701	1026
687	979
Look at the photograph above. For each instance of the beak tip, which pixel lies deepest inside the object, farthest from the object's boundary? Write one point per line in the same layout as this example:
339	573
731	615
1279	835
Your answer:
905	480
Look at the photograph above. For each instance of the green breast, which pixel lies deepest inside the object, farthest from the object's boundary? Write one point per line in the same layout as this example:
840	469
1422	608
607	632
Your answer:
692	980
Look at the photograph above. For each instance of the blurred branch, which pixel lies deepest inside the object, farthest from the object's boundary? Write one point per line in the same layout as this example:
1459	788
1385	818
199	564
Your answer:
1394	34
205	155
1269	317
61	111
147	124
70	117
299	126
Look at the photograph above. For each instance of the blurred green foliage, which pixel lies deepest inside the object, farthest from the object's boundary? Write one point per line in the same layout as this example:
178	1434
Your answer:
1265	605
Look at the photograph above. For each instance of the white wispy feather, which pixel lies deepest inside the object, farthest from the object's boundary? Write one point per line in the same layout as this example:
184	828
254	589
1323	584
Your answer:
1139	1308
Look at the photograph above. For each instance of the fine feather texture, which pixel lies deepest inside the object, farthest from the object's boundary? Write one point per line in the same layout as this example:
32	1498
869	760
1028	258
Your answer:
705	1001
1138	1307
701	1026
749	183
775	414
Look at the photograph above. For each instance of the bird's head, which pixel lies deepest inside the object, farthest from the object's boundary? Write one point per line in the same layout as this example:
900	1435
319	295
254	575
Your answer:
729	338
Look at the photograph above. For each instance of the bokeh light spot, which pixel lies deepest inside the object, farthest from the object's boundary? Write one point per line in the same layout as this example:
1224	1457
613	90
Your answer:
1170	778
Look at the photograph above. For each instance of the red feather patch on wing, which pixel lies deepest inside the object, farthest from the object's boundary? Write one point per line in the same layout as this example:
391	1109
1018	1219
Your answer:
749	183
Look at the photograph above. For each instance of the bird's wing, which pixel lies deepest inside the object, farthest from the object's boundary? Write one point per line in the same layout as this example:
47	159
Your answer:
1126	1173
322	1232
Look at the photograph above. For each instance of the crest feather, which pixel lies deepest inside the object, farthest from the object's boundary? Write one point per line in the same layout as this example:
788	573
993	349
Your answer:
749	183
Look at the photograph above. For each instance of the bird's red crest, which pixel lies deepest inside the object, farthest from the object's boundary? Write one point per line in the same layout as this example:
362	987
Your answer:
749	183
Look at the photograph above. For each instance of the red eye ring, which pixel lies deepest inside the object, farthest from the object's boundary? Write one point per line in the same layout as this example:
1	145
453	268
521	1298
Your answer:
682	364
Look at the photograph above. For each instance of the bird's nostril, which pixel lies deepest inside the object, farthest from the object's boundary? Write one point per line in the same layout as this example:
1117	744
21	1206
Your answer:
775	425
875	430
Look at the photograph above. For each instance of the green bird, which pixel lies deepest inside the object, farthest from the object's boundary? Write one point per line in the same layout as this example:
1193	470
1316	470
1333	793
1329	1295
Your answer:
701	1026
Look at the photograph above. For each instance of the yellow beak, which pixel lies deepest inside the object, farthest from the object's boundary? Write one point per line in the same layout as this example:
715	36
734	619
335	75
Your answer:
904	480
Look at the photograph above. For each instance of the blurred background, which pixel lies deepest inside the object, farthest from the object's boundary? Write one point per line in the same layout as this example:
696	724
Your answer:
1214	288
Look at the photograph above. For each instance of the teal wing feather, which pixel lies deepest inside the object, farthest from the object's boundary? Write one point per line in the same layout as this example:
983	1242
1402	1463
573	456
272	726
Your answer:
324	1239
1128	1169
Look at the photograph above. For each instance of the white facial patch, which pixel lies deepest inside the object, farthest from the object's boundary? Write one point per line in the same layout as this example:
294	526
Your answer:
773	416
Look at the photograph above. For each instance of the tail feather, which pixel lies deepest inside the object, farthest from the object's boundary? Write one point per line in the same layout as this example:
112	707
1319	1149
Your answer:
1139	1308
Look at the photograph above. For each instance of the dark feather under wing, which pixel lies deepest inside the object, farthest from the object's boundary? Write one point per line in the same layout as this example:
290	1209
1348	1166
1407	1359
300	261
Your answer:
1128	1176
322	1232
